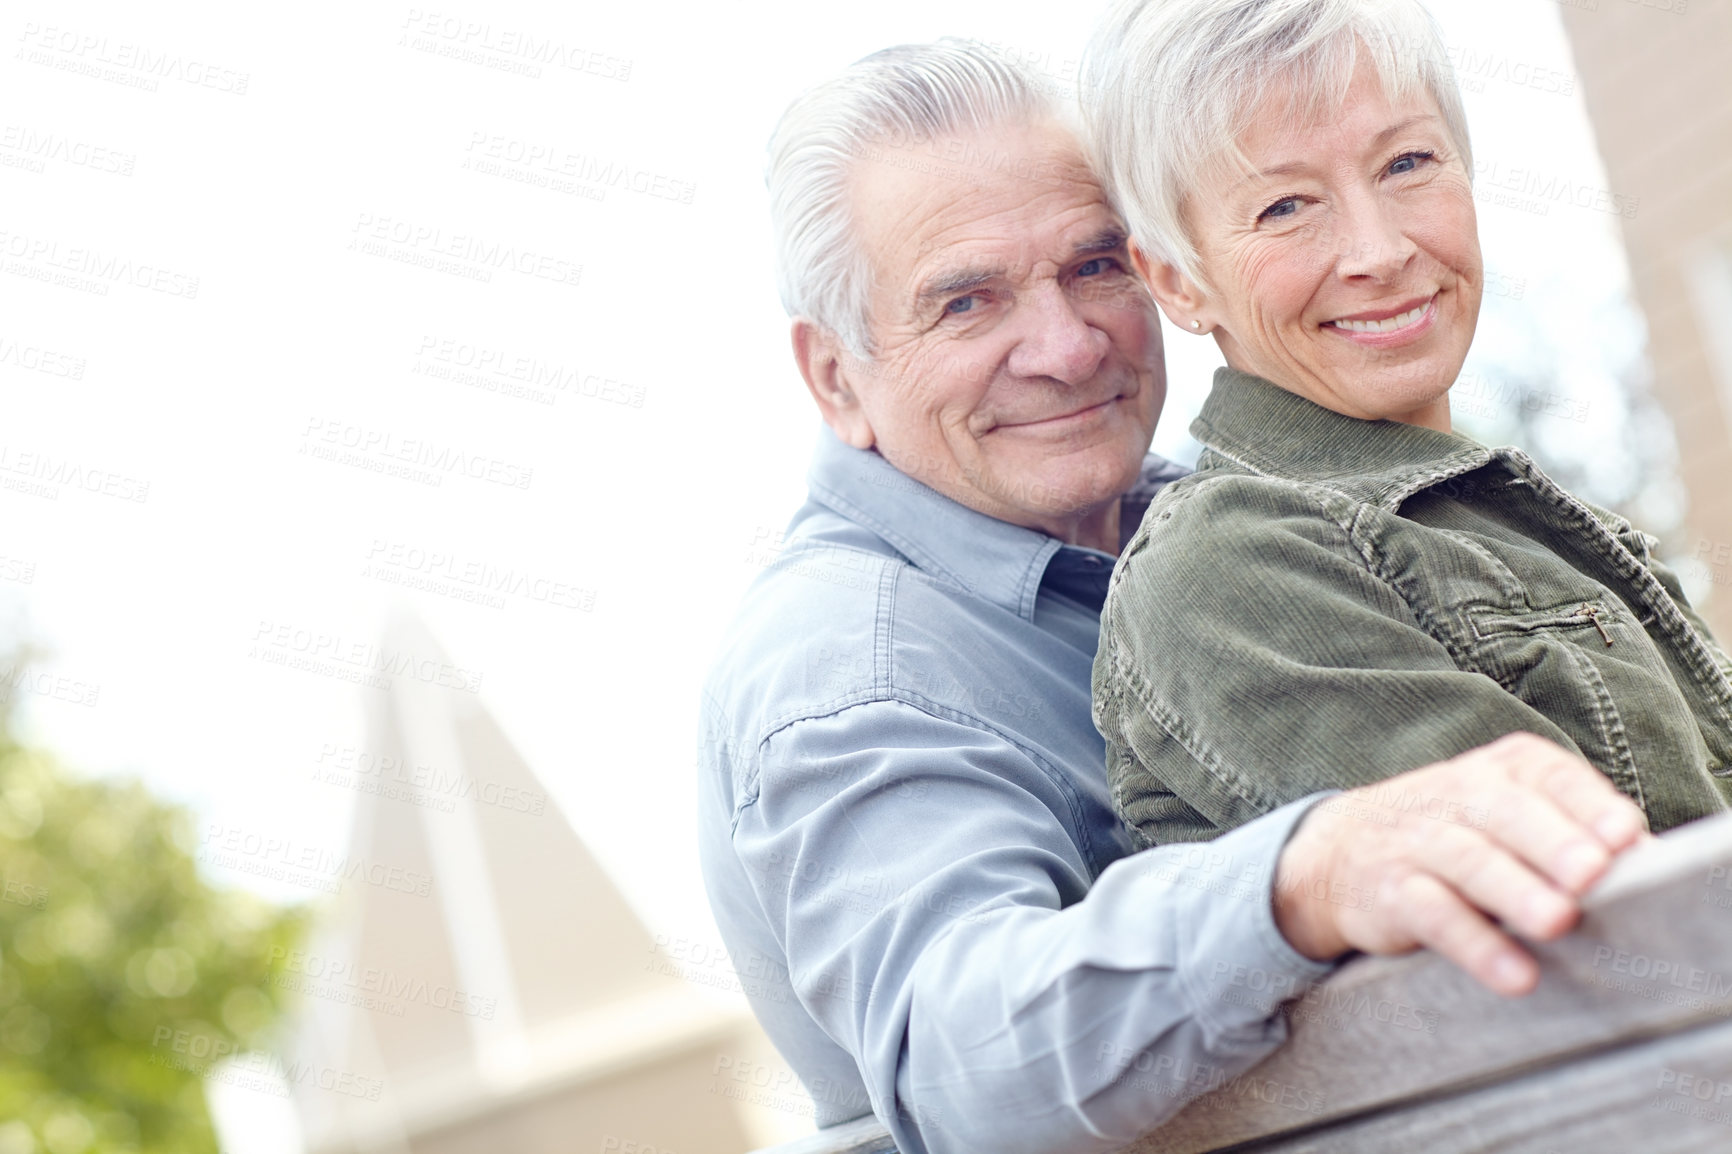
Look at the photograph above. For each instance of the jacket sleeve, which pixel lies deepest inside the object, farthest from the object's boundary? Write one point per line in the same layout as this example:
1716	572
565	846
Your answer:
940	925
1249	656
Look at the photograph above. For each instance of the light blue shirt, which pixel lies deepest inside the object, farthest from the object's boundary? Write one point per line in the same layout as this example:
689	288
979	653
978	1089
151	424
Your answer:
910	849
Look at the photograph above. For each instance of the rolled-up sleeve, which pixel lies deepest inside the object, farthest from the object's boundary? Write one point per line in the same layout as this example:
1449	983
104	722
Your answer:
942	925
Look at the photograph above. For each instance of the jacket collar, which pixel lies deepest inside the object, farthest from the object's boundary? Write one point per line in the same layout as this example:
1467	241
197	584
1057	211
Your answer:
993	559
1268	430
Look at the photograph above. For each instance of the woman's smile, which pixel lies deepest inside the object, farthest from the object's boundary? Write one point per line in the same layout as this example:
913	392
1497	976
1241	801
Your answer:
1388	328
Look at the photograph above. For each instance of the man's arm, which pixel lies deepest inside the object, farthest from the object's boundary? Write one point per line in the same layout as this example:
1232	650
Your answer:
930	900
931	903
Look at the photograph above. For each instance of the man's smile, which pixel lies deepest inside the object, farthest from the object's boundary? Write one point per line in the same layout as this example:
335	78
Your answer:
1062	422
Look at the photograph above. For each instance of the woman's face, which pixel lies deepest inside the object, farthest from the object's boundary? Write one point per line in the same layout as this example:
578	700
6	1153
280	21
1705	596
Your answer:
1346	270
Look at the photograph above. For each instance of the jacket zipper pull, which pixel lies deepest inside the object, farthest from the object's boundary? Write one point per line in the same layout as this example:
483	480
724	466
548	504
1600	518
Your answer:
1593	614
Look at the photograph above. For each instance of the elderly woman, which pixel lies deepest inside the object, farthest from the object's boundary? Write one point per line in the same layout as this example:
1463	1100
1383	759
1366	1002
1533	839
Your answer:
1346	588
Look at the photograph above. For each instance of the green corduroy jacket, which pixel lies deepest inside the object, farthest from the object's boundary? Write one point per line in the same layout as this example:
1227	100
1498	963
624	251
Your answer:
1328	602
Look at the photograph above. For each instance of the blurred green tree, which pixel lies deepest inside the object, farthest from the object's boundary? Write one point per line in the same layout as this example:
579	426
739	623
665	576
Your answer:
124	976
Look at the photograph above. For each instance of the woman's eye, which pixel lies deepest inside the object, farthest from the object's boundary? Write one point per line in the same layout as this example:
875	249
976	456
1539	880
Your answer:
1280	209
1407	163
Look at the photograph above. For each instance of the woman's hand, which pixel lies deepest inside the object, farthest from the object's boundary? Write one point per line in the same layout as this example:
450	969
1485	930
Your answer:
1515	831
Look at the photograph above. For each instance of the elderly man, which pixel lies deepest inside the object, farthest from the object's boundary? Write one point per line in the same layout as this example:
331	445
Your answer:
906	828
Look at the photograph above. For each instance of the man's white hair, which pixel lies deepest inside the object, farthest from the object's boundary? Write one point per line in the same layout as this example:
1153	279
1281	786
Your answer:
1171	86
895	98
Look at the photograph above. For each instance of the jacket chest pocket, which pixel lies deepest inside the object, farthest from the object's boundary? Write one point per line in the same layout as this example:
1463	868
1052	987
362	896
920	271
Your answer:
1491	623
1591	667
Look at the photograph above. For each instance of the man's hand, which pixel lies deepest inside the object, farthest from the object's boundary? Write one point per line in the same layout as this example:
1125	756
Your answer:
1517	830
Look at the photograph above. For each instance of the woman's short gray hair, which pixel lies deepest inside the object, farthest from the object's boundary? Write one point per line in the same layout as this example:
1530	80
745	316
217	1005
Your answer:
898	98
1171	86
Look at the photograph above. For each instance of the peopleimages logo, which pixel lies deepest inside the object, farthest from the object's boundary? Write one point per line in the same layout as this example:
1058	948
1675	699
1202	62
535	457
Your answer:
276	643
517	374
218	1059
35	149
135	65
444	785
444	568
256	853
1659	974
47	473
37	359
414	243
1175	1077
506	48
45	253
551	165
346	981
385	445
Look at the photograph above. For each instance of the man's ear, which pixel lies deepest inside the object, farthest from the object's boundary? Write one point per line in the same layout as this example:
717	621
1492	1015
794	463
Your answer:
831	373
1184	303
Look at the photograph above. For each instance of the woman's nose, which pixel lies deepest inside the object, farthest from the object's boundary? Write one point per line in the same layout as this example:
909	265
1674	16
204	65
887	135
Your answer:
1374	243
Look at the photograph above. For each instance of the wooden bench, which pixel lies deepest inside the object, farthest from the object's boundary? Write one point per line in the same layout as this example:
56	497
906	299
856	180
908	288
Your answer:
1625	1048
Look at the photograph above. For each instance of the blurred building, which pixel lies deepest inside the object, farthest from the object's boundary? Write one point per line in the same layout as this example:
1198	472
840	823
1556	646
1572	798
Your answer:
1656	78
489	990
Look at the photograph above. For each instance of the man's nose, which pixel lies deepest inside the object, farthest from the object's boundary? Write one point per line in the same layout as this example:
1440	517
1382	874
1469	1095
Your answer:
1373	242
1055	341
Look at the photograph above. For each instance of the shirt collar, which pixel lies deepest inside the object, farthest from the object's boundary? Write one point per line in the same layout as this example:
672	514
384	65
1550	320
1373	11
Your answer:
993	559
1269	430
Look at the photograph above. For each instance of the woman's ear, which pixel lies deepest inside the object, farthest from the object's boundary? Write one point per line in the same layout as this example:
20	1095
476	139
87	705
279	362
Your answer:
1185	304
829	375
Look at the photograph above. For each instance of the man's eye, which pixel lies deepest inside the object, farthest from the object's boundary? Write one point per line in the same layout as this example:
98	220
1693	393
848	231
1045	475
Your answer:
959	306
1408	162
1280	209
1097	266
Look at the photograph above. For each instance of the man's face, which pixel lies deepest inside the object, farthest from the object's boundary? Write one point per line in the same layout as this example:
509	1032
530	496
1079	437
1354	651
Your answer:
1018	365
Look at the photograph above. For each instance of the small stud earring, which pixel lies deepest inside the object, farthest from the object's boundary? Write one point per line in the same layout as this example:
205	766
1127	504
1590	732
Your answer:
1198	325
